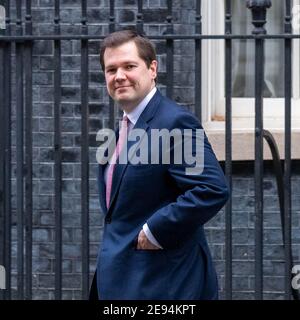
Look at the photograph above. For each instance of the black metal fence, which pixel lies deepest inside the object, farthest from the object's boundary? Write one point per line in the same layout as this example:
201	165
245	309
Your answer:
23	40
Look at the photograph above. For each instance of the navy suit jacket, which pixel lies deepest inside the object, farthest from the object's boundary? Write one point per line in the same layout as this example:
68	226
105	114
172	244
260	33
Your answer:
174	205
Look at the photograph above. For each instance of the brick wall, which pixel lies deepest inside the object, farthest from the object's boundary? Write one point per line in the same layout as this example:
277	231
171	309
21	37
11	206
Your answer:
243	216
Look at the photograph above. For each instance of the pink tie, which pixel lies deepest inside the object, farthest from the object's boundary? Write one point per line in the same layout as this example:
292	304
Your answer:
120	144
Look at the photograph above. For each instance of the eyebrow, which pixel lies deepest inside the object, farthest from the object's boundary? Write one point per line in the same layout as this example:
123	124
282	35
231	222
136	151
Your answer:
123	63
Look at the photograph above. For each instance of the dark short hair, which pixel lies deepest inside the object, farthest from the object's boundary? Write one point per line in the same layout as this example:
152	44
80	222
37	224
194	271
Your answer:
145	48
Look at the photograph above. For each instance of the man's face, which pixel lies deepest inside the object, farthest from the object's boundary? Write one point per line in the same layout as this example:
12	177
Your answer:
128	79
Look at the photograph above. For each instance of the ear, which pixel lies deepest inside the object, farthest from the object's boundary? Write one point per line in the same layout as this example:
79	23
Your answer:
153	69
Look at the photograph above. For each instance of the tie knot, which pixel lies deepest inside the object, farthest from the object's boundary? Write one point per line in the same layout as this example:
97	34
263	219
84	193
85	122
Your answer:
124	124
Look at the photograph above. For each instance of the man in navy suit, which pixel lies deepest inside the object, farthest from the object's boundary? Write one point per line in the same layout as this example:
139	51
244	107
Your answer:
153	244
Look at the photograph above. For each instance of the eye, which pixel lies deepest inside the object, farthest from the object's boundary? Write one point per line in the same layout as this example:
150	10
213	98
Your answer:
111	70
130	66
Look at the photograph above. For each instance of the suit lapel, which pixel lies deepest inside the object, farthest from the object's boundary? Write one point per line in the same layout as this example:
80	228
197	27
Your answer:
102	188
142	123
121	168
101	181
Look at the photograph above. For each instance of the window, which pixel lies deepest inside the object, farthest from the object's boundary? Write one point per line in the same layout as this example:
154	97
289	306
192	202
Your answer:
243	58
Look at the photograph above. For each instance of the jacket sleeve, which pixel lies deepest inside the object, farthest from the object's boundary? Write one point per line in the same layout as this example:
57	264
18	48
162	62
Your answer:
202	195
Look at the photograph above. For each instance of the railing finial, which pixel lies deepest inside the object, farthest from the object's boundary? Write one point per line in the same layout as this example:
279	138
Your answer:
259	13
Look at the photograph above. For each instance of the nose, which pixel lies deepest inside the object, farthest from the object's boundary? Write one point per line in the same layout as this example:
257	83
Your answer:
120	75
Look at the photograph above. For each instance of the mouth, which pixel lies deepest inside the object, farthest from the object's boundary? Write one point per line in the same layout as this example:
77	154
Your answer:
122	87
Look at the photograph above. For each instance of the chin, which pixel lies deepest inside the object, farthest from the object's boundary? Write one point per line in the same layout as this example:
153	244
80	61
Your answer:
125	99
122	101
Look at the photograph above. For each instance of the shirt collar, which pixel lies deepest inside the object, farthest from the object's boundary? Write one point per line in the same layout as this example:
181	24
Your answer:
134	115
